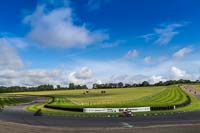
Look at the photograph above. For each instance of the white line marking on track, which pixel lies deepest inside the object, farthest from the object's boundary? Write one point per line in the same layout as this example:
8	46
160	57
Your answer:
126	125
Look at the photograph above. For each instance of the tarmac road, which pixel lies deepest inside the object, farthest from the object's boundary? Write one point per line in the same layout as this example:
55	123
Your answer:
15	114
9	127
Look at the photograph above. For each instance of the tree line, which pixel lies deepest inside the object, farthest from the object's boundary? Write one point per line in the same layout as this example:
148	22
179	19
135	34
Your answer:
143	84
47	87
73	86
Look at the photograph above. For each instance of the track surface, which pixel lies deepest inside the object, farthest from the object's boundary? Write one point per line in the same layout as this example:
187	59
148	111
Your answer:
17	115
7	127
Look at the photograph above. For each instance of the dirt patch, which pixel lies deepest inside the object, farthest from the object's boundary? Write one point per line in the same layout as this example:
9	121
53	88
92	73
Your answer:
191	90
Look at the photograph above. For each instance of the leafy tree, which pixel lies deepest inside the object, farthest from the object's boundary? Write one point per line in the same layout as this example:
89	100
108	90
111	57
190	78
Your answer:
145	83
120	85
71	86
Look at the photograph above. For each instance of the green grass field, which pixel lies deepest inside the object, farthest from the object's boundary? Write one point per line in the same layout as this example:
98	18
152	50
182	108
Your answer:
113	97
122	97
7	100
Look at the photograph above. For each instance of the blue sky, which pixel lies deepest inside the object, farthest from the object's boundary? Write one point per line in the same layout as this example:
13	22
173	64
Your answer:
89	41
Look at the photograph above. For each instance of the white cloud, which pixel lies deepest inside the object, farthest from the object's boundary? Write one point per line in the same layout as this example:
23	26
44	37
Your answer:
177	73
111	71
99	82
182	52
136	78
131	54
32	77
104	72
13	71
8	74
148	59
155	79
167	33
9	58
14	42
56	28
84	73
118	78
41	76
82	76
116	71
164	34
105	69
125	78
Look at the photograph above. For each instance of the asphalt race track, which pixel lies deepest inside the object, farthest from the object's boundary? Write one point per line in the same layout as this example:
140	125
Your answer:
17	115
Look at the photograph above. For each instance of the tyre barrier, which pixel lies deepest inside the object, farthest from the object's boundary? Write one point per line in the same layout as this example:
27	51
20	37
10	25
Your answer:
64	108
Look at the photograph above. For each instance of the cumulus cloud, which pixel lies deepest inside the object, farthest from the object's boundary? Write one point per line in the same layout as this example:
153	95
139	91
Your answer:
84	73
96	4
9	58
8	74
136	78
182	52
32	77
13	71
40	76
177	73
105	72
131	54
56	28
82	76
155	79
